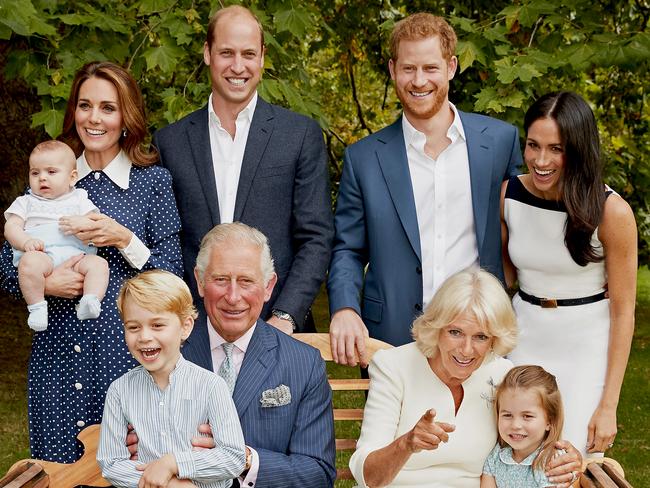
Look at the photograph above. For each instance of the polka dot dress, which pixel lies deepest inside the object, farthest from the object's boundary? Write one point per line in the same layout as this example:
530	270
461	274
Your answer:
73	362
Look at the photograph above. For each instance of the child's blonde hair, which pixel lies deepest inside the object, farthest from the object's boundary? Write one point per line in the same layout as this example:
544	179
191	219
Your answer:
158	291
541	381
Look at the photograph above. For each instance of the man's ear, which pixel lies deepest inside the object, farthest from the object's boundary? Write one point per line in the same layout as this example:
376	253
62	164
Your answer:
452	66
206	53
199	281
268	289
391	69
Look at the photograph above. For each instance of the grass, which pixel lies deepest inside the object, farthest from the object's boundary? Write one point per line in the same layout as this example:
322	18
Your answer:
632	448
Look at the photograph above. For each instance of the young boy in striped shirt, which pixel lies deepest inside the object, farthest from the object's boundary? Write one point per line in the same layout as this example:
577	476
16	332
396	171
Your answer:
166	398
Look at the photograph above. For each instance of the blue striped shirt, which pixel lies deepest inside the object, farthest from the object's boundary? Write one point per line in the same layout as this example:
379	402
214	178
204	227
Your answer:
166	420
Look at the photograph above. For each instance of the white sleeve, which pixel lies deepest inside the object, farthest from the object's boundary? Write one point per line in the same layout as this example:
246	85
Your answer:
18	207
381	414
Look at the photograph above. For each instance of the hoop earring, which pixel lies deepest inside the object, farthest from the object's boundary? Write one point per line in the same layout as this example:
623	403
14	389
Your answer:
124	132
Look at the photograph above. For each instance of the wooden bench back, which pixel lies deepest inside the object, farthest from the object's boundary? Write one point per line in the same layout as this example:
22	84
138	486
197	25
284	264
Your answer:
322	343
83	472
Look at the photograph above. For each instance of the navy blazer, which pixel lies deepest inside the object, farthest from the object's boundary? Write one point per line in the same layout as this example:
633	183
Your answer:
376	223
295	442
283	191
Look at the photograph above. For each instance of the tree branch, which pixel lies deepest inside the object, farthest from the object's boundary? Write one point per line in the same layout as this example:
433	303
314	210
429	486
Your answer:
355	97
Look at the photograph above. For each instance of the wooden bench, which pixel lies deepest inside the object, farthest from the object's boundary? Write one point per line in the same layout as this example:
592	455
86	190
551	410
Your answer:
85	471
322	343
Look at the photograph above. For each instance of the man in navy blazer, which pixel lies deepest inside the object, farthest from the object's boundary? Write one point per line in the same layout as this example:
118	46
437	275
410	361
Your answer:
240	158
281	391
418	200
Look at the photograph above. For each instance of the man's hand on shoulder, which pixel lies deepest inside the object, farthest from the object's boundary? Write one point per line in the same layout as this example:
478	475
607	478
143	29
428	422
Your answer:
348	336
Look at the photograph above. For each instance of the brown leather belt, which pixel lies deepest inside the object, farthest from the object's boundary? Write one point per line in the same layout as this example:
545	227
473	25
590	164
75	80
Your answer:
561	302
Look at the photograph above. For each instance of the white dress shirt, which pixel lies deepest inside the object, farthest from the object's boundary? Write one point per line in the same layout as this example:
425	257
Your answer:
228	154
238	353
118	171
443	203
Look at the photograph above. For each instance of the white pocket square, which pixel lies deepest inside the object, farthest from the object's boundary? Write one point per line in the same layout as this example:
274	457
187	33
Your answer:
276	397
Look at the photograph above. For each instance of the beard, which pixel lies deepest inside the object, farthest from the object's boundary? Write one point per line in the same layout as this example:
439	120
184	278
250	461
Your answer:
419	108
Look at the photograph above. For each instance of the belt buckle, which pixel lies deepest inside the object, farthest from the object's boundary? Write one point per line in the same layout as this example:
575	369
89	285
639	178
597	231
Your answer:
548	302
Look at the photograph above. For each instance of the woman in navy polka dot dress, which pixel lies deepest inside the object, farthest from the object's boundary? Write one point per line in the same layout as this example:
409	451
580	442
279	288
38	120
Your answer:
73	362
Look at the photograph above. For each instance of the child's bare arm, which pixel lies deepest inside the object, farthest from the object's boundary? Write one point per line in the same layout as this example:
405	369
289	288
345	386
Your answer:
18	238
488	481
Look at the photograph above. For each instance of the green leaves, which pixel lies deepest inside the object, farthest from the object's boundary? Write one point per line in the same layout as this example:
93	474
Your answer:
294	20
21	17
164	56
52	120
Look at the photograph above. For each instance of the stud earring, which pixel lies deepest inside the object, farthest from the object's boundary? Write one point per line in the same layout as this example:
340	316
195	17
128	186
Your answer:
124	132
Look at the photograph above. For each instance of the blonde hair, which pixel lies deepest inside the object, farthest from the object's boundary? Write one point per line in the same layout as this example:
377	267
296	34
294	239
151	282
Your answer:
471	293
157	291
235	233
423	26
542	382
55	146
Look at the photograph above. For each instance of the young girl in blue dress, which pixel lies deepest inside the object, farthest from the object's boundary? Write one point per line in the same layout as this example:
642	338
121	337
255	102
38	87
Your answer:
529	420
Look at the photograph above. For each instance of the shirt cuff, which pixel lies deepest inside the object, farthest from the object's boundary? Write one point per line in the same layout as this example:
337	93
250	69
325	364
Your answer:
136	253
185	464
251	477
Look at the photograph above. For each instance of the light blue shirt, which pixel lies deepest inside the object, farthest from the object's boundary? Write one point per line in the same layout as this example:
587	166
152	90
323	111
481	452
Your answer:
508	473
166	420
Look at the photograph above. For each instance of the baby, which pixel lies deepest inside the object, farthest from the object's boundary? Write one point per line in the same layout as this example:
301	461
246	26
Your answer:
32	229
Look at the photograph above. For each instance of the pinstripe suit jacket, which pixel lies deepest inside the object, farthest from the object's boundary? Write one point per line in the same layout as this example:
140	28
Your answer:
295	442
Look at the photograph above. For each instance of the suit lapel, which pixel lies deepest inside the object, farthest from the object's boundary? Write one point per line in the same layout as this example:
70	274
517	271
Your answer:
259	361
481	163
258	137
394	166
197	346
199	137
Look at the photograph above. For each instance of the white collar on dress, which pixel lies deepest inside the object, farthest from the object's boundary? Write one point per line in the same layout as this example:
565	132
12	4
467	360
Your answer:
118	170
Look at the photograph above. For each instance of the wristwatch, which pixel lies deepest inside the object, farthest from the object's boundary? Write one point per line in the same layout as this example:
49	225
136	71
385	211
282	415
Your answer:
285	316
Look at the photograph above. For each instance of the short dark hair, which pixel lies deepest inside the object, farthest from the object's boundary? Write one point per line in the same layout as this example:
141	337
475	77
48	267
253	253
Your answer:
582	190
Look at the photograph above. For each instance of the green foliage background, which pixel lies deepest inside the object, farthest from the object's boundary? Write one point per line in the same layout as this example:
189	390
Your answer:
327	59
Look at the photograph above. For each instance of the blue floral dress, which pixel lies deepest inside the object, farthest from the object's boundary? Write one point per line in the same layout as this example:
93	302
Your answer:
73	363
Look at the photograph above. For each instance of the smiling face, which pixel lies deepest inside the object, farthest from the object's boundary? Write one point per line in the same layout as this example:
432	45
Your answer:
545	157
154	339
236	59
98	120
52	172
421	75
233	288
462	346
522	422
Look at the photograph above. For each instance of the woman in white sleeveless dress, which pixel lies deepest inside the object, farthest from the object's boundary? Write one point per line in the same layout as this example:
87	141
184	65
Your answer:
571	244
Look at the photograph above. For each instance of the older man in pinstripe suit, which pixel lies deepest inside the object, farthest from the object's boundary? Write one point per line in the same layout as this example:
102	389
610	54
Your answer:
281	391
278	384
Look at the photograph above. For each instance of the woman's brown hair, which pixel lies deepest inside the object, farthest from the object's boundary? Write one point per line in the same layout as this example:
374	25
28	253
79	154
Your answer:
131	103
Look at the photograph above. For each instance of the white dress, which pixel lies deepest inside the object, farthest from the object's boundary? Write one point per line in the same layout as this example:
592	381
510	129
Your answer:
569	342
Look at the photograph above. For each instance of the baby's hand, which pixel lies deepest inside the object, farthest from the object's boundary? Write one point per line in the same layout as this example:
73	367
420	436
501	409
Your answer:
158	473
34	245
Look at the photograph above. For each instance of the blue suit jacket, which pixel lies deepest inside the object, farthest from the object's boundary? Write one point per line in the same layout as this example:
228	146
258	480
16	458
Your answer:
376	223
295	442
283	191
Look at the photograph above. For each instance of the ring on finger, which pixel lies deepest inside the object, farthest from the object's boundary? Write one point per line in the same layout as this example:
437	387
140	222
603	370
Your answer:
610	445
574	476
